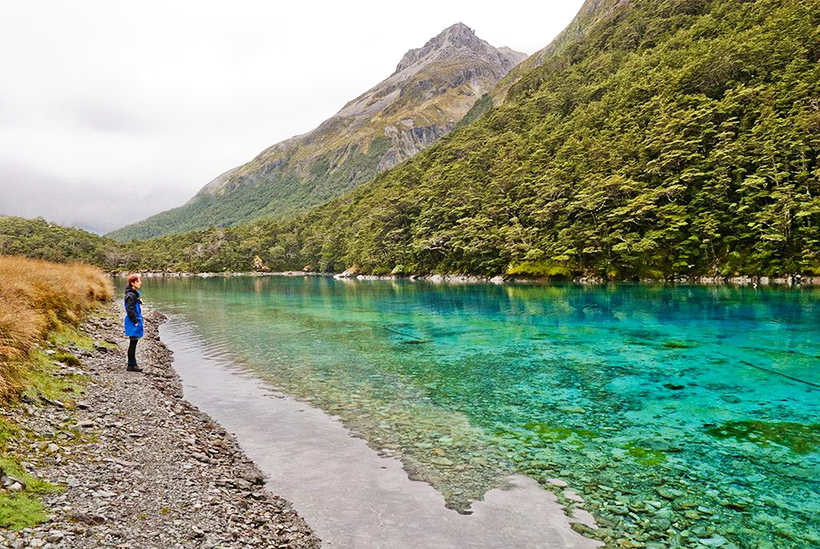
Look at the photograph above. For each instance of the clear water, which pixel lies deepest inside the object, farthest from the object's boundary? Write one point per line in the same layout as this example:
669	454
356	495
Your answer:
682	415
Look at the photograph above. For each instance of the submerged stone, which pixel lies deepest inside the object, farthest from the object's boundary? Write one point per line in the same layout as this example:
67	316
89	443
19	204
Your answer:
571	409
548	432
678	345
669	493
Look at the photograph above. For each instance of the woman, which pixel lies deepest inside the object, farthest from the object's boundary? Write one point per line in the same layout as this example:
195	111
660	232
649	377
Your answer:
133	320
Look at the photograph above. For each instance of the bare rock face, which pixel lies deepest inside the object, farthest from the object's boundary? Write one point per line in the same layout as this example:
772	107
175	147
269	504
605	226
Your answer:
407	141
453	42
431	90
456	58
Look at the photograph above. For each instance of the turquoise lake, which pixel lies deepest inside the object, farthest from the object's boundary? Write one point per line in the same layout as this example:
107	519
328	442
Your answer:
683	415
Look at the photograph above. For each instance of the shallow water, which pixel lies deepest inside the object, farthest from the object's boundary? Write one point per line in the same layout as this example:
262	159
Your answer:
679	414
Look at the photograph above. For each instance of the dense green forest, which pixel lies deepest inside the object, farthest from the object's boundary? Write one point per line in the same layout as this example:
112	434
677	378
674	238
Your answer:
676	138
39	239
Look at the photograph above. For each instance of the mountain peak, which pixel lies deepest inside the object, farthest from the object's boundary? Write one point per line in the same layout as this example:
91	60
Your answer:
458	35
433	88
454	38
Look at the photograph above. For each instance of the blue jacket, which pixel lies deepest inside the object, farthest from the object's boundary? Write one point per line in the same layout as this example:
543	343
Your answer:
133	313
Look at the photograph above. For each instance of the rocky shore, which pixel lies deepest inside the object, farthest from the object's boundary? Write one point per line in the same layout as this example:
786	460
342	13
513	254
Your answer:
796	280
138	466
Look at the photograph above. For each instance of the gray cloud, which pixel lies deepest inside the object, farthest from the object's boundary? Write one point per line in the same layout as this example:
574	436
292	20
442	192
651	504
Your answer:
110	119
95	206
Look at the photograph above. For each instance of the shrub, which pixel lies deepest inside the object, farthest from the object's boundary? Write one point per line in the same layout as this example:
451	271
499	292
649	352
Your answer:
539	269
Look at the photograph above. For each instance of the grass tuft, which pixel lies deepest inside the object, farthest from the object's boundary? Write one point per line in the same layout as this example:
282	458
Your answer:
37	298
41	381
20	510
70	336
40	302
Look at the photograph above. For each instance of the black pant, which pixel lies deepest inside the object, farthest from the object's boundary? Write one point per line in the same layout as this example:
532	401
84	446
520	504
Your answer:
132	351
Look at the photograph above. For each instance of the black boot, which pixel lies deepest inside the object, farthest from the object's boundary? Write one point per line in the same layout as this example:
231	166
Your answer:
133	368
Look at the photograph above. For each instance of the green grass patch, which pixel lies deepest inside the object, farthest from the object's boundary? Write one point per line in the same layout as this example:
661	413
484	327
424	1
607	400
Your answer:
34	485
67	358
69	336
23	509
20	510
41	382
8	431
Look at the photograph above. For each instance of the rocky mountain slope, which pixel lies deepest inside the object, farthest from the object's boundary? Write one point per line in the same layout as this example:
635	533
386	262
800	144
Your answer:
432	88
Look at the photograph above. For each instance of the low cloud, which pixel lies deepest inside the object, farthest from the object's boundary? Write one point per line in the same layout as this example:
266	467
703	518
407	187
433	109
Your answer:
95	206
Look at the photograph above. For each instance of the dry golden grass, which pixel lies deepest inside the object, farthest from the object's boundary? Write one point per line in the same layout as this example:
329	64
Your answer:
35	298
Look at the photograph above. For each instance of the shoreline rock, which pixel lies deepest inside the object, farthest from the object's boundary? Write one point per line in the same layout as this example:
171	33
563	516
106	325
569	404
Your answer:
351	274
142	467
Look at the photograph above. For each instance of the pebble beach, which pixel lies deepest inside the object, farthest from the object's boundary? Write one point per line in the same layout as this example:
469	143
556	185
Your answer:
136	465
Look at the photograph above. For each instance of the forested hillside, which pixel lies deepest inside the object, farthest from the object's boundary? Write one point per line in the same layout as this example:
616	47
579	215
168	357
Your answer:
675	138
678	138
39	239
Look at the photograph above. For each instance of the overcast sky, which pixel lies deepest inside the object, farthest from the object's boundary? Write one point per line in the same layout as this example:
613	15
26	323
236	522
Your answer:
112	111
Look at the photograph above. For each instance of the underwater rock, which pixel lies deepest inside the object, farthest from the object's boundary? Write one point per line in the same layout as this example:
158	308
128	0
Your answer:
669	493
571	409
715	541
572	496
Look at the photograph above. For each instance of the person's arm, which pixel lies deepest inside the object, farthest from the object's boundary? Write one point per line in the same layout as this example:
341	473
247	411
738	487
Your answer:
131	308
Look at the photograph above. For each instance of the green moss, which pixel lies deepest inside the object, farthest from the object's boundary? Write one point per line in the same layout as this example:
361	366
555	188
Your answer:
34	485
8	431
20	510
23	509
798	437
646	456
67	358
677	345
551	433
